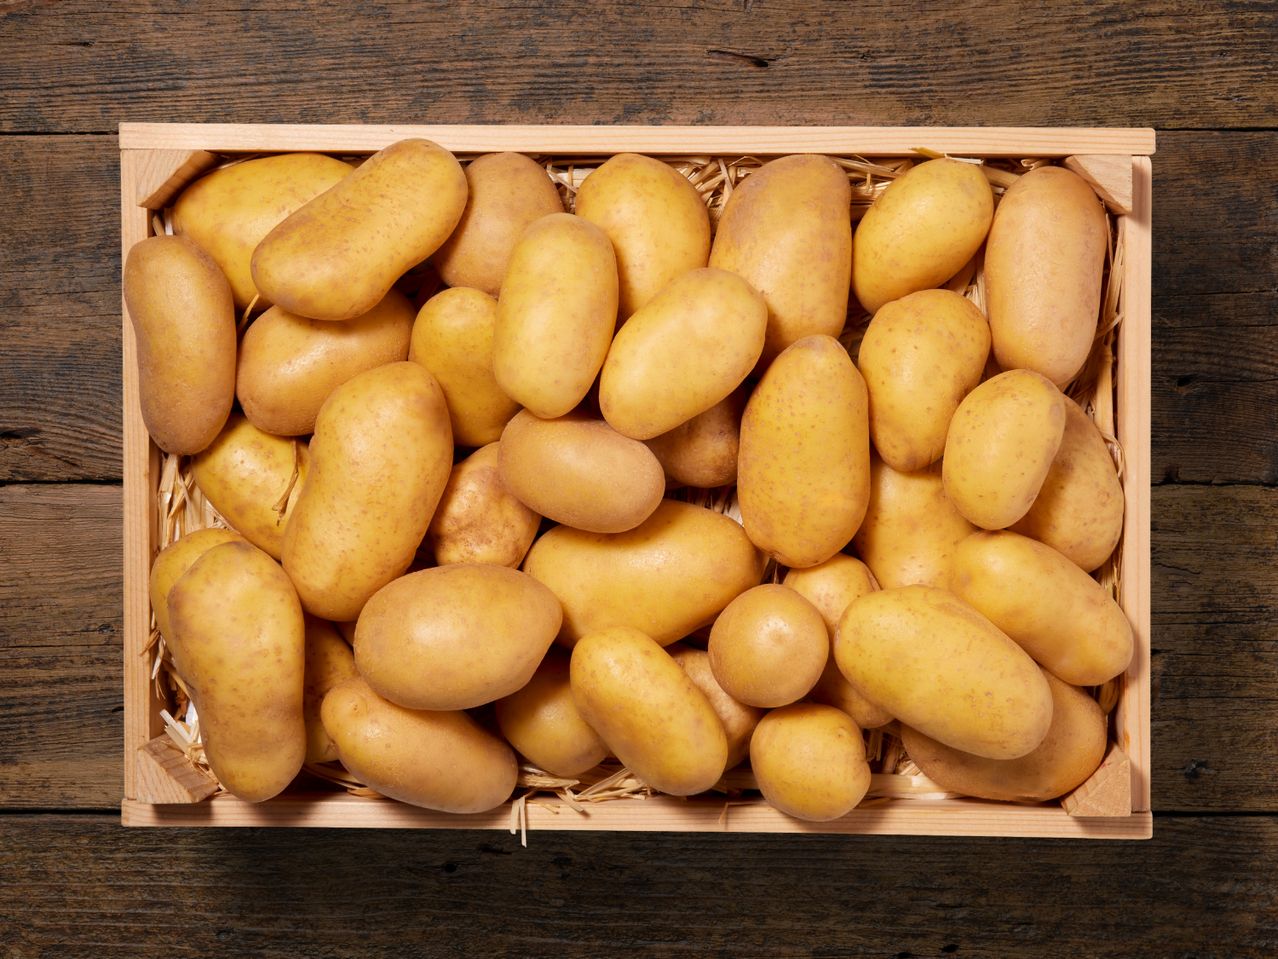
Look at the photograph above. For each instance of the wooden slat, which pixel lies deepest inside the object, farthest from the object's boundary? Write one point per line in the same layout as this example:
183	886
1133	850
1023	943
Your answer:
160	175
1109	176
161	773
1107	792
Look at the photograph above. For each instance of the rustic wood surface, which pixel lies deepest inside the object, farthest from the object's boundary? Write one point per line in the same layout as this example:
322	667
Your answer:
72	882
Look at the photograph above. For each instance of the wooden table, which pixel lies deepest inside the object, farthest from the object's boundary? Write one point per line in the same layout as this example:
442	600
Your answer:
72	881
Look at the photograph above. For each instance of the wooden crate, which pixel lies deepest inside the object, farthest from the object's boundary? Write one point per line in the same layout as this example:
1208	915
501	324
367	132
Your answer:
162	789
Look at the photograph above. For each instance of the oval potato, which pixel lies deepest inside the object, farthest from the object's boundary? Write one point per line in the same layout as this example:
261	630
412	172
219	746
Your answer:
768	647
809	762
329	663
478	520
543	722
738	719
174	560
703	451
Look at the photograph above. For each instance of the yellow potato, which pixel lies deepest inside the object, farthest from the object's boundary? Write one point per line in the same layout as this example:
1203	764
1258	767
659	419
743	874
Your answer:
667	577
184	323
1072	750
920	356
686	350
508	191
703	451
238	642
175	560
658	224
803	473
455	637
542	721
1043	267
648	710
231	210
787	230
337	256
578	471
329	663
556	314
290	364
478	520
920	231
380	457
1079	508
254	480
738	719
809	762
938	665
1001	443
437	760
453	338
1061	616
768	647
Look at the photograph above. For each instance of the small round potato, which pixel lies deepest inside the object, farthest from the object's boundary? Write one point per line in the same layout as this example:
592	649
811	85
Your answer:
809	762
175	560
329	663
738	719
768	647
703	451
478	520
542	721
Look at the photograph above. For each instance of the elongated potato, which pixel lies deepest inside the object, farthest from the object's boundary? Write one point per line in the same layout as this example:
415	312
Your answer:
175	560
703	451
329	663
738	719
184	322
478	520
336	257
809	761
543	722
768	647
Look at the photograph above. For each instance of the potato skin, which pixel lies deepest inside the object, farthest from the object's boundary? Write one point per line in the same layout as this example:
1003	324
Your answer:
768	647
1043	267
703	451
184	322
809	762
478	520
542	721
329	663
336	257
648	710
380	457
176	559
738	719
436	760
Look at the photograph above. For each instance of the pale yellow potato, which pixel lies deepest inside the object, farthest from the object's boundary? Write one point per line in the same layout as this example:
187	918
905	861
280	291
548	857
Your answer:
669	576
768	647
184	323
542	721
337	256
938	665
1001	443
803	471
809	762
579	471
648	710
703	451
478	520
1079	507
1043	268
920	231
686	350
436	760
657	222
1058	614
329	663
380	457
289	364
556	314
920	356
238	642
176	559
1072	750
787	231
738	719
507	192
230	211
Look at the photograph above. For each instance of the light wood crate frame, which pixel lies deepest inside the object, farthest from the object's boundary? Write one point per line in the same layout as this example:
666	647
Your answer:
162	789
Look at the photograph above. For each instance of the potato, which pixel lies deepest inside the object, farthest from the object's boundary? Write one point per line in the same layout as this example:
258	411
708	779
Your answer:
238	642
1058	614
803	473
1043	267
667	577
290	364
329	663
768	647
478	520
578	471
230	211
809	762
1001	443
1079	508
738	719
703	451
184	324
1072	750
507	192
920	231
911	529
658	224
336	257
787	231
920	356
453	338
938	665
648	710
542	721
176	559
254	480
556	314
437	760
380	457
686	350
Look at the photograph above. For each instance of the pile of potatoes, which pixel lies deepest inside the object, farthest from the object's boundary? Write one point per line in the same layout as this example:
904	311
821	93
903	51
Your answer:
460	527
